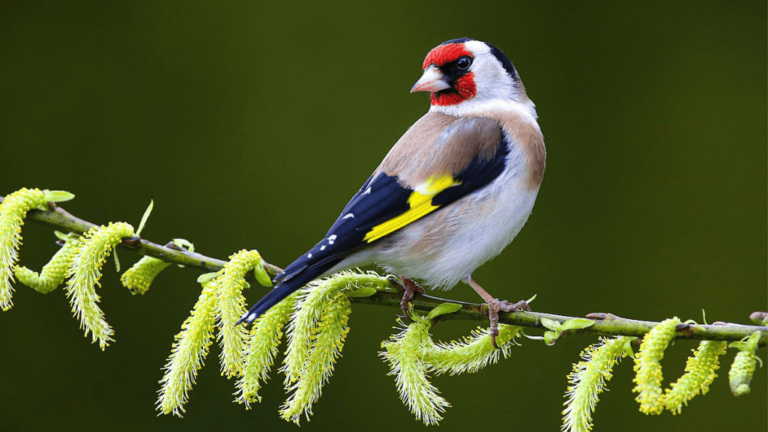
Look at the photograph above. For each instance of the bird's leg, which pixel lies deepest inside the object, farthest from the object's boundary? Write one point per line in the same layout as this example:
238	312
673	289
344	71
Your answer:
410	289
495	306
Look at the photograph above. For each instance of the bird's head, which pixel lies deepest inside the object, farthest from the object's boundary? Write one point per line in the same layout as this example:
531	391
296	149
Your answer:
467	75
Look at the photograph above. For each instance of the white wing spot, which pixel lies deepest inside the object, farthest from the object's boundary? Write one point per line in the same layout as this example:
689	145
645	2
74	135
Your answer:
309	255
331	239
349	215
367	191
322	247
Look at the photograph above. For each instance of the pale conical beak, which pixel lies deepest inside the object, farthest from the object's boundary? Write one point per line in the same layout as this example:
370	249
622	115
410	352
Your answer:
432	81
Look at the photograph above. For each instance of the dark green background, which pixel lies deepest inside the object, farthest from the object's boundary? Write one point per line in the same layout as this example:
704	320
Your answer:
251	124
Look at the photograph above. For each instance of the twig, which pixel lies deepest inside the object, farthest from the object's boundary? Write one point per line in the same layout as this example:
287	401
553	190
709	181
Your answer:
61	219
605	324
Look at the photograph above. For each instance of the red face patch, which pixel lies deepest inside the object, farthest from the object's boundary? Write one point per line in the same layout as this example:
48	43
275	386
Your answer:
465	89
446	54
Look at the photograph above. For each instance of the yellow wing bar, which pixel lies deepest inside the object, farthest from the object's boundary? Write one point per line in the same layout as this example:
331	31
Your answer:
420	203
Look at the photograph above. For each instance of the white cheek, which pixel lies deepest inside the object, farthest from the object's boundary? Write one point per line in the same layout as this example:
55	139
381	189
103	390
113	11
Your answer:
492	81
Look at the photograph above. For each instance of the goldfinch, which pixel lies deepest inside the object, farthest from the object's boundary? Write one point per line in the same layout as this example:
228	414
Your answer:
451	194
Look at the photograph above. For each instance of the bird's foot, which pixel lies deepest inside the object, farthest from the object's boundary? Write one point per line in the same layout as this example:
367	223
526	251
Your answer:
495	306
410	290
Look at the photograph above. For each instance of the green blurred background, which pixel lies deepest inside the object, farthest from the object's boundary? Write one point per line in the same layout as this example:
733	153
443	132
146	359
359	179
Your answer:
251	124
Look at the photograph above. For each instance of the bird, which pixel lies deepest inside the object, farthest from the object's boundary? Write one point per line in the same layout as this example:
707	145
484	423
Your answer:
452	192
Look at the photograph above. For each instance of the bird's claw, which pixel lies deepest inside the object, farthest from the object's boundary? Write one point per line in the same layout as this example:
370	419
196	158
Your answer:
496	306
410	290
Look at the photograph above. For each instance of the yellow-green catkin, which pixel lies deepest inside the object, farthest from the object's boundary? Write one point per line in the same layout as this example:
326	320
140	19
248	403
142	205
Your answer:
189	350
329	336
13	209
264	339
309	306
473	353
743	367
648	376
587	381
699	373
139	277
84	274
230	307
412	355
405	353
53	274
742	370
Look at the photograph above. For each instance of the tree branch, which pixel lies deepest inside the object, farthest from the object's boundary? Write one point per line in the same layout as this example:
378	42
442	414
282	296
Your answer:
605	324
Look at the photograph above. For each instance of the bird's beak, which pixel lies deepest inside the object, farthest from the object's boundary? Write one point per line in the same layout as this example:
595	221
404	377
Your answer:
432	81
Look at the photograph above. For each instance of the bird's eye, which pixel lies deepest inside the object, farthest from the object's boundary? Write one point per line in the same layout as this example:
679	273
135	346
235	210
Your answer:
463	63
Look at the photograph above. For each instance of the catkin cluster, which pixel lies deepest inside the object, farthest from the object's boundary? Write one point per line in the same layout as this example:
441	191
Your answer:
316	336
220	306
589	376
322	308
412	356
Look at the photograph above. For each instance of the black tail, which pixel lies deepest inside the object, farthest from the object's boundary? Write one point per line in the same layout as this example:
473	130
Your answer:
287	286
